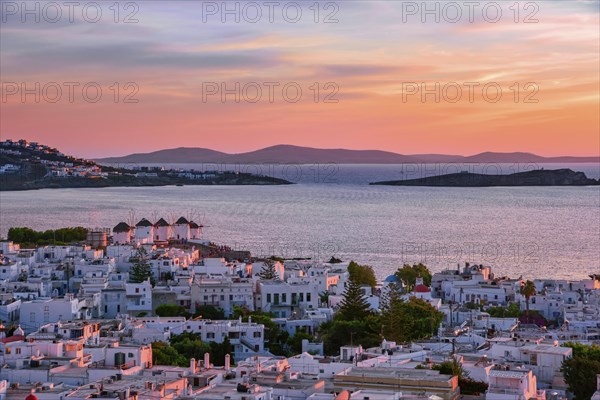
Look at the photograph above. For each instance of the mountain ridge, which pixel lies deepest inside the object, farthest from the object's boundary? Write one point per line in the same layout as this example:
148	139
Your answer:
284	153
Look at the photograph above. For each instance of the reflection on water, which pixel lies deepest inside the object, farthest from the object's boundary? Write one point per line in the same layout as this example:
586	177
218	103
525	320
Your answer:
535	232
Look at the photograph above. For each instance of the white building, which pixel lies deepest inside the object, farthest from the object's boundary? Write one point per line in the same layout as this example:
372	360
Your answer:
222	292
181	229
162	230
122	233
286	299
195	230
42	311
144	231
512	384
247	338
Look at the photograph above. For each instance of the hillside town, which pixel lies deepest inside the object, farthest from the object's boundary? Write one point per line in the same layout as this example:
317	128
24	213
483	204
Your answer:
151	309
28	165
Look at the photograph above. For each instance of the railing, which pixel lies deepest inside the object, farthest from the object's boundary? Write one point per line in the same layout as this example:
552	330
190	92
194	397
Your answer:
516	392
126	365
246	343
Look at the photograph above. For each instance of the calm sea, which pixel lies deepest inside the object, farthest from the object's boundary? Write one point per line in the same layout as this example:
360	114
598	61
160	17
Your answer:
536	232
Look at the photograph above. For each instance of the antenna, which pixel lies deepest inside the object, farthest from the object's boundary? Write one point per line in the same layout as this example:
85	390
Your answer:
131	218
155	215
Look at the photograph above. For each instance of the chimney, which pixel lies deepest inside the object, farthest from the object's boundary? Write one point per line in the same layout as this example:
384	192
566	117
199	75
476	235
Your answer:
192	365
206	360
228	363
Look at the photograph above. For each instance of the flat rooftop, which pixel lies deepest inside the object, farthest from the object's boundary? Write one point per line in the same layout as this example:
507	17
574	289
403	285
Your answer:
399	373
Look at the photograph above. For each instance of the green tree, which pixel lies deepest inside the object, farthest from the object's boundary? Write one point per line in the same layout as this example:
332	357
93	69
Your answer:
337	333
467	385
209	312
527	290
363	274
512	311
141	269
268	271
581	370
324	297
408	275
354	306
219	350
171	310
450	368
189	345
405	321
392	293
393	319
163	354
29	237
294	343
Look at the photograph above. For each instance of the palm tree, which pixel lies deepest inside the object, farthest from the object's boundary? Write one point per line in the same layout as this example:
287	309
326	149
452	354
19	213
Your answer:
527	290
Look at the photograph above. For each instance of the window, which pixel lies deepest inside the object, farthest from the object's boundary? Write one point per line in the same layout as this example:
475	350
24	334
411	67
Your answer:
268	297
210	335
130	355
257	334
283	297
137	289
307	296
18	350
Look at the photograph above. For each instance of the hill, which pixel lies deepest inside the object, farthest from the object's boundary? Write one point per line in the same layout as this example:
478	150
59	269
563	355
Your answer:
540	177
25	165
309	155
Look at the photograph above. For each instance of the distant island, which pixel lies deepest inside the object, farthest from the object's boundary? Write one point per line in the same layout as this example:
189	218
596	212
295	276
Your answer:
540	177
307	155
29	165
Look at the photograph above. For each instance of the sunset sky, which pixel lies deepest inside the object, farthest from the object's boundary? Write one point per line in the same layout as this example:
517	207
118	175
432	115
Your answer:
372	54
